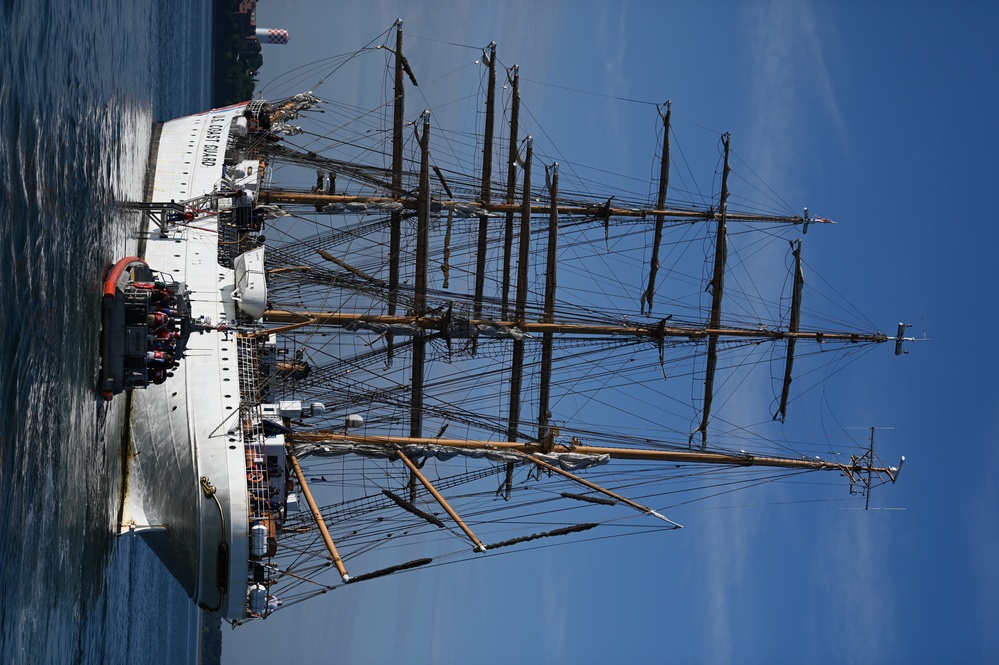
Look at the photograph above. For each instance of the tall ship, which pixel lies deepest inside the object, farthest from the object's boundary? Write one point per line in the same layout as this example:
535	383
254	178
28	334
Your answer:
404	348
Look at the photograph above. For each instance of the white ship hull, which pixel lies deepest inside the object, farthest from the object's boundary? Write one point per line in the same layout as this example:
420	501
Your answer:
189	474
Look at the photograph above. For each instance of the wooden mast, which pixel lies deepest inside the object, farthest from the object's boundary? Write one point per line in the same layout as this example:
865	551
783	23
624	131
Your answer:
717	290
420	279
421	323
596	210
654	331
485	192
520	306
793	326
551	468
318	517
660	219
415	471
395	237
547	339
858	465
511	183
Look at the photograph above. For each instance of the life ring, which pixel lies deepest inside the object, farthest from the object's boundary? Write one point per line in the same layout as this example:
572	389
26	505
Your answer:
255	477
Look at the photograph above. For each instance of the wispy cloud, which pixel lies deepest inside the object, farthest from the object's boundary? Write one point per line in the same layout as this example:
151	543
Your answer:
726	545
790	51
555	588
851	567
981	499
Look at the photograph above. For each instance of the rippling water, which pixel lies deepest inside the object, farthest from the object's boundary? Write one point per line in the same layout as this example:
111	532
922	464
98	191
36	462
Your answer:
80	86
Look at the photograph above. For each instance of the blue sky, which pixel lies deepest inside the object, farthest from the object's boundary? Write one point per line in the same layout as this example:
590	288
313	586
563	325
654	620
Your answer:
878	115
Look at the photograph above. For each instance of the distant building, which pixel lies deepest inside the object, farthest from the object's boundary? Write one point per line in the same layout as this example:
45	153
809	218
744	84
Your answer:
246	16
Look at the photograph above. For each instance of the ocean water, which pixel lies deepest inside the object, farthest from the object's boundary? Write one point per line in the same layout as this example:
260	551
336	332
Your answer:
81	84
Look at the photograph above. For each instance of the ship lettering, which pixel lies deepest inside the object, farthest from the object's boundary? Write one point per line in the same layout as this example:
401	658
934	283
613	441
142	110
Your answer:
213	138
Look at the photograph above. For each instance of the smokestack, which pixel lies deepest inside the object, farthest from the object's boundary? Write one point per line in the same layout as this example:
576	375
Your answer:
272	36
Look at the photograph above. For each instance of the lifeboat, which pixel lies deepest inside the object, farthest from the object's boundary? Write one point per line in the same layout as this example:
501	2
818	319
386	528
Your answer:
145	325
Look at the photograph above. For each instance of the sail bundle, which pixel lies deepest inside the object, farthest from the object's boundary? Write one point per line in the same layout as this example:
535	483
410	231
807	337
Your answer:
567	461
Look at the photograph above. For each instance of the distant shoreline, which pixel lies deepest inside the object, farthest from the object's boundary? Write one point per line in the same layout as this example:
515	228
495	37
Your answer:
235	56
209	638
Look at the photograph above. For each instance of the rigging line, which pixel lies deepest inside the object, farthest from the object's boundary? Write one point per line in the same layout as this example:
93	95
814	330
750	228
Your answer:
763	504
441	41
353	55
285	75
366	47
328	294
558	152
742	486
764	205
773	194
834	368
856	310
810	373
732	486
586	375
752	250
594	94
462	557
677	147
444	133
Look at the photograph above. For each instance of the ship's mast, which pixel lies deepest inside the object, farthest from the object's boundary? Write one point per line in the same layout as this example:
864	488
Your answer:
511	182
520	305
793	327
717	286
422	266
545	454
514	319
513	76
395	234
485	193
414	324
859	468
547	338
649	294
593	210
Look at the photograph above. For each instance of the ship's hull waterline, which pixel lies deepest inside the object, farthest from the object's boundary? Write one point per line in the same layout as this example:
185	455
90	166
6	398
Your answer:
188	472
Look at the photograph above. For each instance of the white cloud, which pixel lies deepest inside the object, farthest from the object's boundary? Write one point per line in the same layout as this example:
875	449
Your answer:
790	49
554	592
981	502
